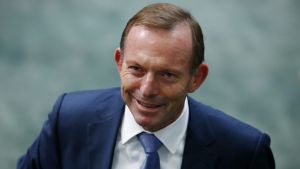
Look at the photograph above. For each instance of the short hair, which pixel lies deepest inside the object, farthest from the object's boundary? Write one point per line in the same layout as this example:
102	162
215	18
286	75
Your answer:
167	16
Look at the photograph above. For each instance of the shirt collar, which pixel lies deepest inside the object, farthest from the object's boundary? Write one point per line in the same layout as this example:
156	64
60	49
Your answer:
170	136
129	127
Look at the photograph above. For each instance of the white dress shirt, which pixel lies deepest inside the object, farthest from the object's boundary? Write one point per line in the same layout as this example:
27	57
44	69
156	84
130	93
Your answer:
129	153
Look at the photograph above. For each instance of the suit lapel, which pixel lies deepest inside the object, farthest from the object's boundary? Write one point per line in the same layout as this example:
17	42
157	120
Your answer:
103	133
199	151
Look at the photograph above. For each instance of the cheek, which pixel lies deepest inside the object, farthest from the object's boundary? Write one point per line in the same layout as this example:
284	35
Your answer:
129	81
128	84
174	91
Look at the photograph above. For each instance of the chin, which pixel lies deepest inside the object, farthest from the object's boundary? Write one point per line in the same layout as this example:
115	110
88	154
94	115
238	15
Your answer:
145	122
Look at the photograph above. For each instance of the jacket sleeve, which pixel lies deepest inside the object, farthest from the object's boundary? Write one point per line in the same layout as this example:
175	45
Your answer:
263	157
44	153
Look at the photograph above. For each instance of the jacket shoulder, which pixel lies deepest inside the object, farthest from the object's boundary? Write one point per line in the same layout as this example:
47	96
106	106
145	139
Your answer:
229	132
235	141
222	123
89	95
86	105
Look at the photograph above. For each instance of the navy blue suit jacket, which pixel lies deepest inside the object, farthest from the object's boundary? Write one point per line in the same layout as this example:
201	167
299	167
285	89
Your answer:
82	129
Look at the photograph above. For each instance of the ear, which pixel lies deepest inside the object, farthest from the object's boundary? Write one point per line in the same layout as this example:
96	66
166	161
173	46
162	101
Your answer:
199	77
118	59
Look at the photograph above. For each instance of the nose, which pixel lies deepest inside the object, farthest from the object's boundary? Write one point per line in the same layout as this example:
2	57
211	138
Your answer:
149	86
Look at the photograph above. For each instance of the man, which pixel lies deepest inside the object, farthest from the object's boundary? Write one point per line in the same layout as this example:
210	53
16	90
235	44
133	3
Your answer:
160	61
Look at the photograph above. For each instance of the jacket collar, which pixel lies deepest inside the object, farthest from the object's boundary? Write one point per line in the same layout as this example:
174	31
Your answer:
103	133
198	151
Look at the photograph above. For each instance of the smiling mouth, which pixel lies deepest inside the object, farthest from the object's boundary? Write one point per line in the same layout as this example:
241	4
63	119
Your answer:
148	105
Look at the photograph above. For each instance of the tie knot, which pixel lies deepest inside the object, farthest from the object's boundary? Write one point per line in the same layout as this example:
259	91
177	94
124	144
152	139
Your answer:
149	142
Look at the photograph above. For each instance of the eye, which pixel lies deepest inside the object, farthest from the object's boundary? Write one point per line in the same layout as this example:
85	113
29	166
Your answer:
134	68
168	74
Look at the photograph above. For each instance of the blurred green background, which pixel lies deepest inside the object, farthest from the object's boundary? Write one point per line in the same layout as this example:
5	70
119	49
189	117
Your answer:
48	47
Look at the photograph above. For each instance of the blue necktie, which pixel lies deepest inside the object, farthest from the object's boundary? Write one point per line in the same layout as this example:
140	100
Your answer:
150	144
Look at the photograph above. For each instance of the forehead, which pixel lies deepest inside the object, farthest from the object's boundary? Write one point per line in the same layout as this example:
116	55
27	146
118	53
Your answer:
178	39
159	48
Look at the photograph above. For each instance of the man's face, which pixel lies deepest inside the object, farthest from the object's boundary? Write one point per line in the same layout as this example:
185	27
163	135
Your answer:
155	74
